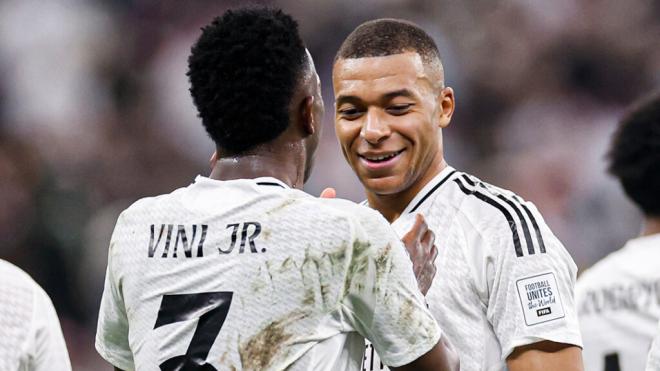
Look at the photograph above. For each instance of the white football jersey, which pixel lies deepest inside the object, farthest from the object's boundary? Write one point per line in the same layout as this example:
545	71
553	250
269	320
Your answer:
653	359
503	279
619	306
253	275
30	334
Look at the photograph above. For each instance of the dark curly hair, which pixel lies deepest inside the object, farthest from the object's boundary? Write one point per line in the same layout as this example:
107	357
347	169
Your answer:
386	36
243	71
634	155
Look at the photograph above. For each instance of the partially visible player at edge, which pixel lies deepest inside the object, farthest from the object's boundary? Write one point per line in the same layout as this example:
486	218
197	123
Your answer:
241	270
617	296
503	294
30	335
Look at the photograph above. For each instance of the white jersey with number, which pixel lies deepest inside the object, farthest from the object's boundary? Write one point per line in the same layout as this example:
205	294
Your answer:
619	306
30	334
253	275
503	279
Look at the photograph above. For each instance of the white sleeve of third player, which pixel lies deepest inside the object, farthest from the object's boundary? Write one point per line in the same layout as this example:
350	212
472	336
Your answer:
48	349
112	330
653	360
382	300
531	295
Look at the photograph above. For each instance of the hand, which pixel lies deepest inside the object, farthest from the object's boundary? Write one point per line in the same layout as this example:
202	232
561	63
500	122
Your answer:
213	159
328	193
420	243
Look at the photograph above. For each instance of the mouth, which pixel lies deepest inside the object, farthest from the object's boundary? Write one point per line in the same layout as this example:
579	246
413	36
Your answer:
381	160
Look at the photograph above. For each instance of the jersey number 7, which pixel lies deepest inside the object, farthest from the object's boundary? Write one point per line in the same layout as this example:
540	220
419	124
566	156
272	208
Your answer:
211	308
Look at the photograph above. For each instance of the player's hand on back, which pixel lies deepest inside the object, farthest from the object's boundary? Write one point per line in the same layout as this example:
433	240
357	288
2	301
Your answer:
420	243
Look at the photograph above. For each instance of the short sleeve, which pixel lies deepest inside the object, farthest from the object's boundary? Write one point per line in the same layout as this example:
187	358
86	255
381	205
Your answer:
653	360
50	351
382	299
531	285
112	330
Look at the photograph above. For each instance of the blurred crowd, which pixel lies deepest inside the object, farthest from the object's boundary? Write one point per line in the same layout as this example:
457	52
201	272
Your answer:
95	113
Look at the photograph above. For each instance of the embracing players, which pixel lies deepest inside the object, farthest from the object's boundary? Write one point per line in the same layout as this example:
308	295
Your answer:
242	270
618	298
504	289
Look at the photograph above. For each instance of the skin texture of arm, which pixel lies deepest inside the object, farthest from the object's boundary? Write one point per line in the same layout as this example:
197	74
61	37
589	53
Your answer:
441	357
546	356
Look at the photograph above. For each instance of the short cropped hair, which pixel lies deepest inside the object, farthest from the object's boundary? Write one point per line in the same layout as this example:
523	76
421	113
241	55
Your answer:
243	71
386	36
634	155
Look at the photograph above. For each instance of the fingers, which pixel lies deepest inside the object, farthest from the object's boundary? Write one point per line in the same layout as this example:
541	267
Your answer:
213	159
418	229
328	193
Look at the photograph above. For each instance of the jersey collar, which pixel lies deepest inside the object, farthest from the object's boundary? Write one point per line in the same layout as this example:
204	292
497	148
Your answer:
270	182
262	181
430	188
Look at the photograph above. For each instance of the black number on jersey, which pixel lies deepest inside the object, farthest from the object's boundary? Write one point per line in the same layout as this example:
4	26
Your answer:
182	307
612	362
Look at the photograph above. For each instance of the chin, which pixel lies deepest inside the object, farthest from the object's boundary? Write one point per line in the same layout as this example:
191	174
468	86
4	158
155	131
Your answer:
383	186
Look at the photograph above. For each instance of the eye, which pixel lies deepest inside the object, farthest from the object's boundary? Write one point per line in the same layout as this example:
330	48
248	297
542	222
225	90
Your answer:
399	109
349	113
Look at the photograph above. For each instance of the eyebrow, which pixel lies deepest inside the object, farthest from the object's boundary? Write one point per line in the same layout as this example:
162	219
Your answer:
387	96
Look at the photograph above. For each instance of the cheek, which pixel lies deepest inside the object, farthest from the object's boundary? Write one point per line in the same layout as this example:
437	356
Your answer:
346	137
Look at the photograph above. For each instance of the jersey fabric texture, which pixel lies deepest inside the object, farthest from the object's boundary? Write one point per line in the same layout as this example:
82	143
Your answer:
253	275
503	279
31	338
653	361
619	306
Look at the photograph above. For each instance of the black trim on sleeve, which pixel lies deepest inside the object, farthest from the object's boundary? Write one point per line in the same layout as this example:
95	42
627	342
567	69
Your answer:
528	236
512	222
537	230
431	191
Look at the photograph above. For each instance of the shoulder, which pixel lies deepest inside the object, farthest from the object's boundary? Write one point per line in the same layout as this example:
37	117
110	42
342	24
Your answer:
150	204
606	270
14	277
500	216
356	212
17	300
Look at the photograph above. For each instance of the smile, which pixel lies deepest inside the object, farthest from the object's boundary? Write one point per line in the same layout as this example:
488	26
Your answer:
382	157
380	160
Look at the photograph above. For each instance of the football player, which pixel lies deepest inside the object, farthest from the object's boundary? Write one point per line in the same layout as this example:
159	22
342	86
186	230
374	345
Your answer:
31	335
618	297
504	290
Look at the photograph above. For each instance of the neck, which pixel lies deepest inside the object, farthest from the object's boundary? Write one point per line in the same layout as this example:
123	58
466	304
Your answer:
651	226
282	165
391	206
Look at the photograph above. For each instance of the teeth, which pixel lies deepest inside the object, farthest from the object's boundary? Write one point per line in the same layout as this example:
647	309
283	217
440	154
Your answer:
381	158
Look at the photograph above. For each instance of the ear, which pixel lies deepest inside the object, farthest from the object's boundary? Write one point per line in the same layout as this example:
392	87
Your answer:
446	106
306	113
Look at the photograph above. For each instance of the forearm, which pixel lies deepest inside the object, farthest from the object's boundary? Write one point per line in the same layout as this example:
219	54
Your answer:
546	356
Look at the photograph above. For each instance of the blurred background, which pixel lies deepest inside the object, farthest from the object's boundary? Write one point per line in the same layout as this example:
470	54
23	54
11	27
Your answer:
95	113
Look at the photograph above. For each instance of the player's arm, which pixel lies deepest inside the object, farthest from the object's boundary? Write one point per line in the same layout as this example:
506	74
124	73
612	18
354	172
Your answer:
420	243
546	356
441	357
112	329
531	295
50	352
384	303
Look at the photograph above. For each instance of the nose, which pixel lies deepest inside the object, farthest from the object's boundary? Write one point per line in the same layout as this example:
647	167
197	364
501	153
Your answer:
375	129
